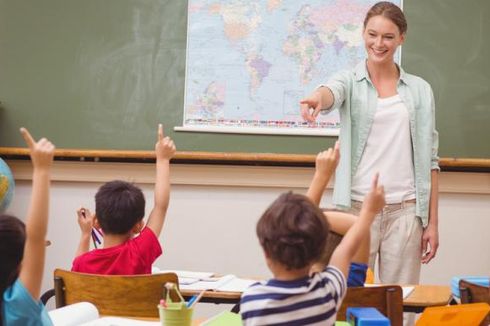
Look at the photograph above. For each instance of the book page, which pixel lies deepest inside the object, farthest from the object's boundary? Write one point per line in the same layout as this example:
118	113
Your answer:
74	314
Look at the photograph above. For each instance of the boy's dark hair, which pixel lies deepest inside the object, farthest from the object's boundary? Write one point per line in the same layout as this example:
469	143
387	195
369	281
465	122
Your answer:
119	205
12	241
293	231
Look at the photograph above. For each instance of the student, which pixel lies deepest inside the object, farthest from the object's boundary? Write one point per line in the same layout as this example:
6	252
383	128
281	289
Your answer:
339	222
119	212
22	247
292	233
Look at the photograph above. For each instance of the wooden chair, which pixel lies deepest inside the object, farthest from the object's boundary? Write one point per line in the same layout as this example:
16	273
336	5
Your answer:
473	293
388	299
135	295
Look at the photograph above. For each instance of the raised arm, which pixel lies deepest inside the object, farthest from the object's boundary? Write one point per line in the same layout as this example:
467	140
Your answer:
164	150
373	203
322	98
325	165
86	222
31	272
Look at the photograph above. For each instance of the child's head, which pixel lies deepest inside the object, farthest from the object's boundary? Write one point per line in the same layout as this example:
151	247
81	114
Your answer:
293	231
119	206
12	240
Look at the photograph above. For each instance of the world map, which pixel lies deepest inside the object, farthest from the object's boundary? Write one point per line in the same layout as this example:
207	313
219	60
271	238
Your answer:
250	62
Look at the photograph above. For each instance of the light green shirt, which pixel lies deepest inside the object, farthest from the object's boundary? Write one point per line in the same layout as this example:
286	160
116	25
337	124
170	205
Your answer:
356	99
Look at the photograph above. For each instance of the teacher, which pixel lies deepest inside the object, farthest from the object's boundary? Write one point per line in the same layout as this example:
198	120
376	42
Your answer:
387	126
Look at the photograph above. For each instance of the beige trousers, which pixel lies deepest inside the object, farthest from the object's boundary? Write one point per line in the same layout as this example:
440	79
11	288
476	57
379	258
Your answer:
396	244
396	240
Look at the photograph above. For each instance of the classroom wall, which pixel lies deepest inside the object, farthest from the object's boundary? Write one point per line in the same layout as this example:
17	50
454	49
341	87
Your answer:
211	220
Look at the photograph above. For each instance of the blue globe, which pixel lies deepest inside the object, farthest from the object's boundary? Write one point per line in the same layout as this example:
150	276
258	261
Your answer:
7	186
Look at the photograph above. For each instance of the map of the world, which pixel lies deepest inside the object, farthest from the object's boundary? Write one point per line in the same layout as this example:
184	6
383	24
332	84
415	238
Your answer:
250	62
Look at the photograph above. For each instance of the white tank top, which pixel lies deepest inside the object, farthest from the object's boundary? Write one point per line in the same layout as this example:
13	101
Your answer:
388	151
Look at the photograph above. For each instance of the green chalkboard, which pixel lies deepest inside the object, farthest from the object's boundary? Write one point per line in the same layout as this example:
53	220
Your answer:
100	74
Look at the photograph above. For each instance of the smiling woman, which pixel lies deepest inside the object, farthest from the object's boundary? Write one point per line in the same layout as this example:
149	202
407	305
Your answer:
387	119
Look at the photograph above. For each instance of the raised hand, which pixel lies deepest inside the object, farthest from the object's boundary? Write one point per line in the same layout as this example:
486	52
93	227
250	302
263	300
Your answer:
375	199
85	220
327	161
42	152
165	147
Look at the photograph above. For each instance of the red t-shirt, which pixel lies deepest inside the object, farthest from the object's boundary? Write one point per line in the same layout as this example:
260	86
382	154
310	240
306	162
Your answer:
134	256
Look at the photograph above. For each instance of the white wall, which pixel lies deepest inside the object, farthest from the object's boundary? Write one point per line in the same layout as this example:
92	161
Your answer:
210	224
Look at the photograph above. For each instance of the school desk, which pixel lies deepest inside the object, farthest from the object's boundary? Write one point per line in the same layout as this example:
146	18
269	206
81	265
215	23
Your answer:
422	296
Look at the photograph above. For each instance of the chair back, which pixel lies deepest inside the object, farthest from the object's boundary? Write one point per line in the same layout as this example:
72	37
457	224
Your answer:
473	293
388	299
114	295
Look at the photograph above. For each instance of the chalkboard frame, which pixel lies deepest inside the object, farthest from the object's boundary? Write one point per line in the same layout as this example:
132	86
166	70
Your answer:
221	158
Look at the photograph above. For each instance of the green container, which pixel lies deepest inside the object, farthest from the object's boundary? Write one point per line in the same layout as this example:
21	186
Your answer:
175	314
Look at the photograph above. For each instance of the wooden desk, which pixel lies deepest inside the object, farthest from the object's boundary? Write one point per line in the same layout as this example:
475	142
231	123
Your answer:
422	296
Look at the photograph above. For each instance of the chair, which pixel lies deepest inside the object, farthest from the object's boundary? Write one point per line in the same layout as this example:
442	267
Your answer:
114	295
388	299
473	293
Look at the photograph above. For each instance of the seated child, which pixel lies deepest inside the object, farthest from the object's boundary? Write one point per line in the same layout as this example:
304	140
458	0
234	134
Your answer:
339	222
293	232
119	212
22	247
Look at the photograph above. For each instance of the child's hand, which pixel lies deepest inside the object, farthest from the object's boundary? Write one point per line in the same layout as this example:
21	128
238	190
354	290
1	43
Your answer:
42	152
164	148
375	199
85	220
327	161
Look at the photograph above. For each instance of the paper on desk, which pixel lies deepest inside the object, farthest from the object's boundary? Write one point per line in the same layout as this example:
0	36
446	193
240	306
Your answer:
229	283
406	290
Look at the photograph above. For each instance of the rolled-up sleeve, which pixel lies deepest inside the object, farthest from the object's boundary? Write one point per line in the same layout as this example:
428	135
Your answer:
337	85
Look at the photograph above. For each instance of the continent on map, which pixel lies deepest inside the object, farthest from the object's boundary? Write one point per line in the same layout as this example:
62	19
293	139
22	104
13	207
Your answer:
239	18
258	69
210	103
315	28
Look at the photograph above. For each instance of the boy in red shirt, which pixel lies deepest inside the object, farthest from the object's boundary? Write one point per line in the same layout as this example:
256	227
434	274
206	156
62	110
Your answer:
119	212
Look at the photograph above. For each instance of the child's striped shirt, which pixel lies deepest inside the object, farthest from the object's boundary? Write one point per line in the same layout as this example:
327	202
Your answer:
307	301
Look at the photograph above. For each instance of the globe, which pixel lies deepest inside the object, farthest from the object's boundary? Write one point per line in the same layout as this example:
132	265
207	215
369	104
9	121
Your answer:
7	186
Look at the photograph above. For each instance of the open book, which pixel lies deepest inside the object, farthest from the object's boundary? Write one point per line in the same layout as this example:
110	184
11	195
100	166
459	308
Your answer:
86	314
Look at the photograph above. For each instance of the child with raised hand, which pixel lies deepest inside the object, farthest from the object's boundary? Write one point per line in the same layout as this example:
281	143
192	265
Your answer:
119	212
339	222
293	232
22	247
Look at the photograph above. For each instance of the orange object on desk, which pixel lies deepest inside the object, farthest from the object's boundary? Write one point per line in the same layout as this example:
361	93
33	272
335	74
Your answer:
464	314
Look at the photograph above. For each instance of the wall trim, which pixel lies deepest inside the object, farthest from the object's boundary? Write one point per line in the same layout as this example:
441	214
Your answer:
222	175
